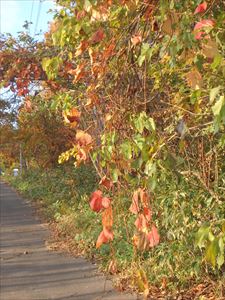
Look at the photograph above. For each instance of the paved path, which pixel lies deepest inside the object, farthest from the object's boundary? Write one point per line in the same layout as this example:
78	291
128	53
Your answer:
30	272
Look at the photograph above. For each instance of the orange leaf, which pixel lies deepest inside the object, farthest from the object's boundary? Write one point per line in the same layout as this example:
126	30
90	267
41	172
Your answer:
78	73
136	39
109	51
194	79
104	237
153	237
147	213
81	48
83	138
108	233
96	201
81	156
72	116
106	202
107	218
134	208
141	223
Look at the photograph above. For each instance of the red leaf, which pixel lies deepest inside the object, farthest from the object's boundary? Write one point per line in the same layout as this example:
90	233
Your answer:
153	237
204	23
98	36
144	197
201	8
96	201
106	183
147	213
201	26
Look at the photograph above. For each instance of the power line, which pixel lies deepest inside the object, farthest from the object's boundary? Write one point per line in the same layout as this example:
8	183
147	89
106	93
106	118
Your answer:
38	16
31	14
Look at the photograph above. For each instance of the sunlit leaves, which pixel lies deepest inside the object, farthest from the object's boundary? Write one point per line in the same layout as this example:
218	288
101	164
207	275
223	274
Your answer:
51	66
72	116
83	138
214	245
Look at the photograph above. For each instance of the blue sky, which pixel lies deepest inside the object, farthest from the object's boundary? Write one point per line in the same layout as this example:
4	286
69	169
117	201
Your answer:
13	14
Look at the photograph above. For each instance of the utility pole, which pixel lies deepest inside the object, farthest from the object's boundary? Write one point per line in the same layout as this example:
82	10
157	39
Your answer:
21	160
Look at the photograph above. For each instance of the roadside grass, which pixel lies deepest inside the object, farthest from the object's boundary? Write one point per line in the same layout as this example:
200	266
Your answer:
172	268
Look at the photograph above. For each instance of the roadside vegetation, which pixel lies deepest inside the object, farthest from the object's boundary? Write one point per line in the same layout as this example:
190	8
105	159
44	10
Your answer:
120	134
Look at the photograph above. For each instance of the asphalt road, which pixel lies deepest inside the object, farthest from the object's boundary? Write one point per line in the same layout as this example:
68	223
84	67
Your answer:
29	271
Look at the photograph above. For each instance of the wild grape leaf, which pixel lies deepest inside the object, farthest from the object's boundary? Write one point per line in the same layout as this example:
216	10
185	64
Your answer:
107	183
107	218
153	237
136	39
104	237
83	138
98	36
200	8
96	201
134	208
194	79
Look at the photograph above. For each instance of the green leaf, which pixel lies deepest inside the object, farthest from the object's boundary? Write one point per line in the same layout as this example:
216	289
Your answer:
211	252
213	93
220	258
140	141
217	61
145	47
218	106
139	124
150	124
87	5
115	175
126	149
201	236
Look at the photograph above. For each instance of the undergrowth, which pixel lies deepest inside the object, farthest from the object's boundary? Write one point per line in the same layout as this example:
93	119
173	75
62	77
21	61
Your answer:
174	265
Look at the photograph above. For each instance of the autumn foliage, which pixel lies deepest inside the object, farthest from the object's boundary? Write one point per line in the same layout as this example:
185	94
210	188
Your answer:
138	89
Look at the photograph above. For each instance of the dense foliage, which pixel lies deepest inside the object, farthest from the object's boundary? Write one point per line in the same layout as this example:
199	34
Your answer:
142	85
